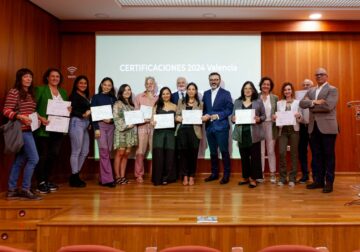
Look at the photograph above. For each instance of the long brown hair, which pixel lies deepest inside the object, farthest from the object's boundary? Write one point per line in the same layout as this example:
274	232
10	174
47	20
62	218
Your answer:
18	83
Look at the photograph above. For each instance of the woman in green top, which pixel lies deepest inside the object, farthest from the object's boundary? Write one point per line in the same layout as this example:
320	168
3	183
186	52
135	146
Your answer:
249	136
48	143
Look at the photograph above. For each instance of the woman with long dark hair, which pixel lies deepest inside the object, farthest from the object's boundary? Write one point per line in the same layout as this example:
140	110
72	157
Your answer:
188	135
19	104
104	131
78	130
125	136
164	171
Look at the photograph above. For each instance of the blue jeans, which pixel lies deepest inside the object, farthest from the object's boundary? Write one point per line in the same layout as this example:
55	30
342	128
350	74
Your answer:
28	154
79	138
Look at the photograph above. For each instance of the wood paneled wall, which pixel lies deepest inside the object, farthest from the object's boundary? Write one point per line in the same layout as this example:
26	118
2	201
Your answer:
295	56
285	57
32	38
29	37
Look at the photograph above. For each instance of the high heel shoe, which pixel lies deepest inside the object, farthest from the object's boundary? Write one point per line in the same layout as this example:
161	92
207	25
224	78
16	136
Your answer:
244	182
191	181
185	181
252	183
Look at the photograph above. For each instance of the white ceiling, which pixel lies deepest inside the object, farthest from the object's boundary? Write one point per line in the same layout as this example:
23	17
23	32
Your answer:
200	9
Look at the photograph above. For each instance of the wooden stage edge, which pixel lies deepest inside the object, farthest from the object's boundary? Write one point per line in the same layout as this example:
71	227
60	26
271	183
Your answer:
135	216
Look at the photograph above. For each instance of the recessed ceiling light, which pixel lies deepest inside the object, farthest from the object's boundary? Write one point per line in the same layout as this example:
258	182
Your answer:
101	15
315	16
209	15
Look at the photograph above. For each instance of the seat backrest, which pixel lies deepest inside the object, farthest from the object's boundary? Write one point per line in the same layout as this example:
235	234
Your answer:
88	248
10	249
190	248
289	248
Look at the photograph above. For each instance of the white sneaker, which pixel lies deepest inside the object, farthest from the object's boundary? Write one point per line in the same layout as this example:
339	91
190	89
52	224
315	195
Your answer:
272	178
260	180
291	184
280	183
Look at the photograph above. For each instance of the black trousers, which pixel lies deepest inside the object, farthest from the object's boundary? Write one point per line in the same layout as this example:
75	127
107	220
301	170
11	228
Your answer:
323	155
49	150
188	148
303	149
251	161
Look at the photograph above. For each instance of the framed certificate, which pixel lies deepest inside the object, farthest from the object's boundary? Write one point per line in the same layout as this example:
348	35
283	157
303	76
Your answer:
285	118
34	121
99	113
245	116
164	121
58	108
191	116
133	117
58	124
147	111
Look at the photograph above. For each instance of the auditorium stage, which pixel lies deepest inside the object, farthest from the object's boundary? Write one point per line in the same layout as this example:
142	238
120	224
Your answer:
135	216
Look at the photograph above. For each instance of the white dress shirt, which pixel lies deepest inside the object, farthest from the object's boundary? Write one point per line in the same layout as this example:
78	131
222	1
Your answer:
213	95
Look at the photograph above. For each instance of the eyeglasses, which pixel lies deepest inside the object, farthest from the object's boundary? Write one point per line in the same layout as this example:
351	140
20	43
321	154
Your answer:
320	74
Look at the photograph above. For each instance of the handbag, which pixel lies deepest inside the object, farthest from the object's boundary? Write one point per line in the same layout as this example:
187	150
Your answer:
13	139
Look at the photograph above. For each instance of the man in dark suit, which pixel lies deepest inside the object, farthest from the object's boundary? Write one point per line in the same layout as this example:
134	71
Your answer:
323	128
181	84
218	107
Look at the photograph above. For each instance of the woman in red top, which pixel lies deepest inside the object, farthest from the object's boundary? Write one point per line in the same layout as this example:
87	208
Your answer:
19	104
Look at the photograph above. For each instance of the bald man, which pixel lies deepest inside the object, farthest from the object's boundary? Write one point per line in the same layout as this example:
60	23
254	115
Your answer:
323	127
304	138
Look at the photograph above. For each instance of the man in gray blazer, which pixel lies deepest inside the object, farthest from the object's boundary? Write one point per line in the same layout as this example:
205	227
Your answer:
323	128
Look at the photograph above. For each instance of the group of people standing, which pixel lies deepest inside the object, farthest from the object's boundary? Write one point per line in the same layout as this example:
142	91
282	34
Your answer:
175	150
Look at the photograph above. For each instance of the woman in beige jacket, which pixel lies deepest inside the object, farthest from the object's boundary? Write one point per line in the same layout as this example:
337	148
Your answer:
188	135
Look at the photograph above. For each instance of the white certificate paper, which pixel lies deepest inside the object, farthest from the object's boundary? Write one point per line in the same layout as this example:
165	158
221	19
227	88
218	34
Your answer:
58	108
99	113
285	118
191	116
133	117
58	124
164	121
147	111
245	116
300	94
34	121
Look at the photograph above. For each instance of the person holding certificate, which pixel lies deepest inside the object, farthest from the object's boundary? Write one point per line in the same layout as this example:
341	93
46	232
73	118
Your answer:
79	124
48	143
19	104
125	136
288	134
249	136
144	101
104	131
266	86
163	157
188	135
218	106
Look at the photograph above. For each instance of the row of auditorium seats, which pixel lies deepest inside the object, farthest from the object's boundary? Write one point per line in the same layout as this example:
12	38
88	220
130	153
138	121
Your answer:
101	248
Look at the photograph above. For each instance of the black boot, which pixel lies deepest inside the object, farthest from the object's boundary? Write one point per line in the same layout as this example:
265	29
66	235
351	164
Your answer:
73	181
80	182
